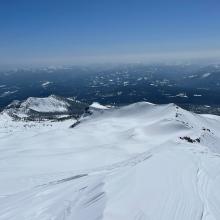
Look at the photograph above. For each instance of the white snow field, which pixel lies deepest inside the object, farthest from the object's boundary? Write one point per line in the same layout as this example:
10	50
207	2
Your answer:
124	163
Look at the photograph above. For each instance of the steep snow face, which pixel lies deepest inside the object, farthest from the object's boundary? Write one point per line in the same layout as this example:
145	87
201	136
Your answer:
48	104
139	162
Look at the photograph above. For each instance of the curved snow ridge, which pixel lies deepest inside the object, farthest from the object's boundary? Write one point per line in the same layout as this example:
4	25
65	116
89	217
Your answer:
203	185
208	176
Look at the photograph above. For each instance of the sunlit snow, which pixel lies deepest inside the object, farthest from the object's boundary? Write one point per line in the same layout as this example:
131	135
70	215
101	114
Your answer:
117	164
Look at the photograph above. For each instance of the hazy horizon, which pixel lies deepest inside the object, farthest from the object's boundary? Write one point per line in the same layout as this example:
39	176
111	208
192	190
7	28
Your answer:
146	59
35	33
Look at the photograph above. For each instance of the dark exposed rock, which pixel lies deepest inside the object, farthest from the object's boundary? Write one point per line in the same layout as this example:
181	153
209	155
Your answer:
75	124
190	140
206	129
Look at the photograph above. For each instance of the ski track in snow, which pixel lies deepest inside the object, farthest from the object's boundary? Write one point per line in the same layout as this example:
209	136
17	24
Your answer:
127	163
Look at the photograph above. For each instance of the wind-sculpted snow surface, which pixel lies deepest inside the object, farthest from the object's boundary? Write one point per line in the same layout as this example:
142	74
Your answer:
139	162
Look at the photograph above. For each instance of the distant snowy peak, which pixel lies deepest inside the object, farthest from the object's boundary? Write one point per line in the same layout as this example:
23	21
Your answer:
48	104
51	107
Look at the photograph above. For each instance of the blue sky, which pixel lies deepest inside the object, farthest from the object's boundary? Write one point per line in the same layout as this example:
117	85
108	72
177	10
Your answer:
71	31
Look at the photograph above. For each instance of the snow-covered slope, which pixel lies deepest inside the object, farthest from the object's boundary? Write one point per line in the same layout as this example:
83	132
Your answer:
139	162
